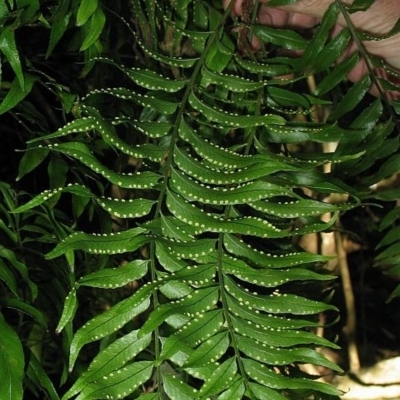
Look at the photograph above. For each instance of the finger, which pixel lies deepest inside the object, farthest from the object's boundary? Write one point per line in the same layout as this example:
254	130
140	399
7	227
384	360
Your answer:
278	18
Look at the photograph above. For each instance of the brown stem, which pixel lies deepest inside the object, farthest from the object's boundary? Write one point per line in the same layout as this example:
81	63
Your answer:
350	328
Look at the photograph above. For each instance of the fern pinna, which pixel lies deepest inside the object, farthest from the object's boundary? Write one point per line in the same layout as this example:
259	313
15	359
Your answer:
212	193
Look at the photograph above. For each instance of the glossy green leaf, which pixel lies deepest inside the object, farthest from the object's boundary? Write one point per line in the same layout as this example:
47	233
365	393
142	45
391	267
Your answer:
272	335
235	391
269	378
176	389
288	39
220	379
138	180
230	119
276	303
214	223
209	351
108	322
230	82
85	11
112	278
15	94
332	51
286	98
122	208
203	299
39	377
8	278
118	384
94	28
119	242
268	260
27	309
58	28
111	359
336	75
350	100
9	49
30	160
246	193
163	106
20	267
12	363
69	310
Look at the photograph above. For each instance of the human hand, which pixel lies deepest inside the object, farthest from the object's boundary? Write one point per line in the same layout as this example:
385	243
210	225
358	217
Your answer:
378	20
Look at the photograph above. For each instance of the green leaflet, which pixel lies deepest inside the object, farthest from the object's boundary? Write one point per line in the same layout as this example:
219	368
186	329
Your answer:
268	277
147	78
207	174
122	208
15	95
277	356
193	333
119	383
273	335
264	69
163	106
290	39
230	82
235	391
195	303
209	351
48	194
172	61
266	321
110	321
119	242
220	379
138	180
38	375
276	303
110	360
69	310
351	98
235	120
176	389
112	278
85	10
261	259
297	208
188	213
267	377
9	49
12	362
241	194
289	134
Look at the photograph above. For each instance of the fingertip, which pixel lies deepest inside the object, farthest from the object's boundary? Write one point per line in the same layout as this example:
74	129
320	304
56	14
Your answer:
236	6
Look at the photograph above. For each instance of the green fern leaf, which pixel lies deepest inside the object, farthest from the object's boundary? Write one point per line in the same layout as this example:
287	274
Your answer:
209	351
235	392
109	322
112	278
138	180
176	389
231	119
120	383
276	303
221	378
69	310
110	360
120	242
203	299
265	376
